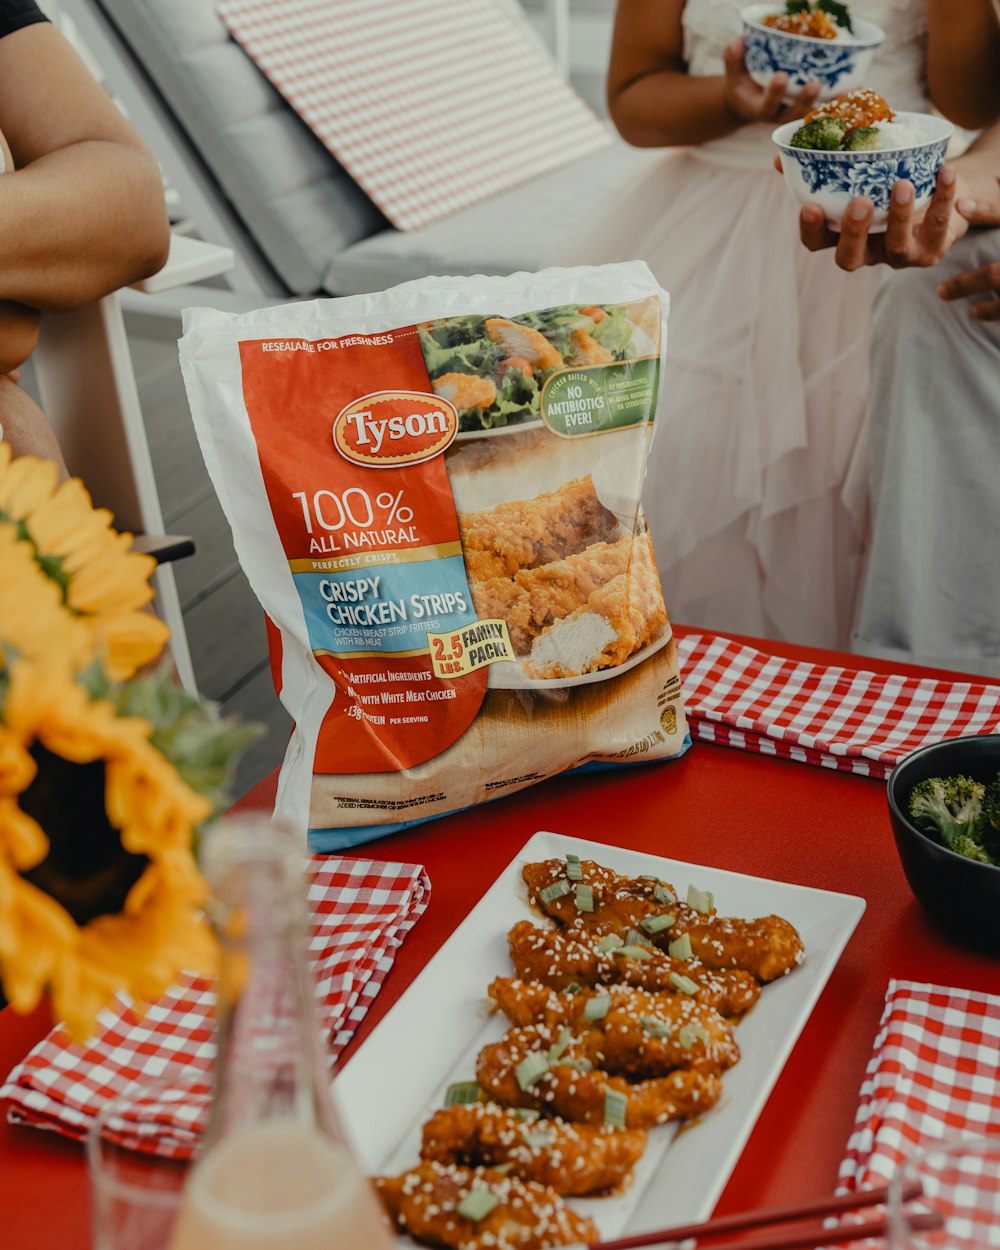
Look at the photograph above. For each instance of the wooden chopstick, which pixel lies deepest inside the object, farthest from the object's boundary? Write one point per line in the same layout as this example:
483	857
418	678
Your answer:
746	1220
804	1239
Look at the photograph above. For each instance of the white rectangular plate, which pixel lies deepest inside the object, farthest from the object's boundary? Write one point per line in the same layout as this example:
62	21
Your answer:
431	1036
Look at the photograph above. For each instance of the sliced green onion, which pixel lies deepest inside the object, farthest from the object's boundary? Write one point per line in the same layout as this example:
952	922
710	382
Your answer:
526	1113
680	948
597	1008
615	1107
461	1092
634	952
636	937
684	984
531	1068
658	1028
692	1032
664	896
700	900
610	943
574	987
539	1139
573	870
584	898
655	924
476	1204
560	1046
551	892
581	1065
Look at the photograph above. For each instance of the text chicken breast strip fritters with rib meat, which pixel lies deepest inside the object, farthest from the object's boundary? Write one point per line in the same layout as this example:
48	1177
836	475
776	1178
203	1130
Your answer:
572	1159
534	598
617	620
624	1030
424	1203
527	533
562	957
767	947
569	1088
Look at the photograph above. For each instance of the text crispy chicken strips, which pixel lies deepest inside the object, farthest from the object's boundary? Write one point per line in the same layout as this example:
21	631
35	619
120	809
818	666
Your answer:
563	957
767	947
537	1068
627	1031
571	1158
429	1202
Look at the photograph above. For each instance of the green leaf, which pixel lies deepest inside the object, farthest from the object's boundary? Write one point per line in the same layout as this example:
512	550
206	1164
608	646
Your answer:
202	745
839	13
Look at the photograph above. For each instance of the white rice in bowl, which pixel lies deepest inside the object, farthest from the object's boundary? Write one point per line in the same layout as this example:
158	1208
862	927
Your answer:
903	134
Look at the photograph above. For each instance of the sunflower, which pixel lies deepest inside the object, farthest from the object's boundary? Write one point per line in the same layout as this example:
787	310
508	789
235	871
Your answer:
99	581
100	893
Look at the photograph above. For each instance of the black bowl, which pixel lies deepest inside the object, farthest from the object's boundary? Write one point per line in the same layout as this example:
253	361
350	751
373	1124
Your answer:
961	895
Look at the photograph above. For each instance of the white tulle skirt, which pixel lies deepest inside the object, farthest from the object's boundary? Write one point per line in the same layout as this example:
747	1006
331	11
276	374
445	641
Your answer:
757	487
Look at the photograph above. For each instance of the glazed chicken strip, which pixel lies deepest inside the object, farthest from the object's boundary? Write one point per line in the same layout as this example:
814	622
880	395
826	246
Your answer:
617	620
572	1159
624	1030
524	341
536	597
766	947
581	1093
563	957
526	533
425	1201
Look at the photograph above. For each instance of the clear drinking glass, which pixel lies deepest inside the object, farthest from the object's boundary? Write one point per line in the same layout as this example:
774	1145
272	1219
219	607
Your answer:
135	1194
960	1180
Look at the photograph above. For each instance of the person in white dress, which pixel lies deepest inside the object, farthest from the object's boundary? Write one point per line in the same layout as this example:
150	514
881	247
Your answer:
757	493
931	593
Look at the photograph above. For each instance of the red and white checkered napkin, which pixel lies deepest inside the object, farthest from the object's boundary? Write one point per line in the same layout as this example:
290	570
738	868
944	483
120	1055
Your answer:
839	718
934	1073
430	105
361	911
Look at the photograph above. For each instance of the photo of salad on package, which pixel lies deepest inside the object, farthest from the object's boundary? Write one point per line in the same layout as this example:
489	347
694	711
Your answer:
493	369
455	615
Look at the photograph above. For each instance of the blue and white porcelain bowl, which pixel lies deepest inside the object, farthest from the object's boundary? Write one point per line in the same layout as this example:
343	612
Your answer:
837	65
833	179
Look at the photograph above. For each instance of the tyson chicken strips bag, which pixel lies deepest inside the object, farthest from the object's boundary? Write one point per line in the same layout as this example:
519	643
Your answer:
434	493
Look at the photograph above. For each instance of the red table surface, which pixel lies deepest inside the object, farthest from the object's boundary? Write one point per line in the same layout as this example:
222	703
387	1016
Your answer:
716	806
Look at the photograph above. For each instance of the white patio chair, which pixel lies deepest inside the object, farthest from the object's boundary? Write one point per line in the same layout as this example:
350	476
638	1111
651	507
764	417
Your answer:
253	177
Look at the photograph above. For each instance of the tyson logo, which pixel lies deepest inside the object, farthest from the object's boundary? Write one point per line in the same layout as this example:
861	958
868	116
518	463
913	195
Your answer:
390	428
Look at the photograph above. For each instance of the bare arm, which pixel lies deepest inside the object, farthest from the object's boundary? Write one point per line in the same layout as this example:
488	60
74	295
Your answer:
83	211
654	102
963	60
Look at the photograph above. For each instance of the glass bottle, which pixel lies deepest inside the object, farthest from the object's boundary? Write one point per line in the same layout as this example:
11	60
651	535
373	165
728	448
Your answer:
275	1171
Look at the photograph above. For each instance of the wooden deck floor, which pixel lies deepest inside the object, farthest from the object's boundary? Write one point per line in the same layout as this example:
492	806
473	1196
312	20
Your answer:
225	625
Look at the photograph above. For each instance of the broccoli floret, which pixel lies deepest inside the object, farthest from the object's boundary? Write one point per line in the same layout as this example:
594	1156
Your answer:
862	140
837	11
989	834
822	133
970	848
951	807
796	6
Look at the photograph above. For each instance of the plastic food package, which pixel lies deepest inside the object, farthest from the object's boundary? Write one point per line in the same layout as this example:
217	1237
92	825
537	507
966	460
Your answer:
434	493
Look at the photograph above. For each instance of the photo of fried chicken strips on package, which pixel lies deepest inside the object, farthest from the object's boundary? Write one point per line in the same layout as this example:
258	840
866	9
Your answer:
578	593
